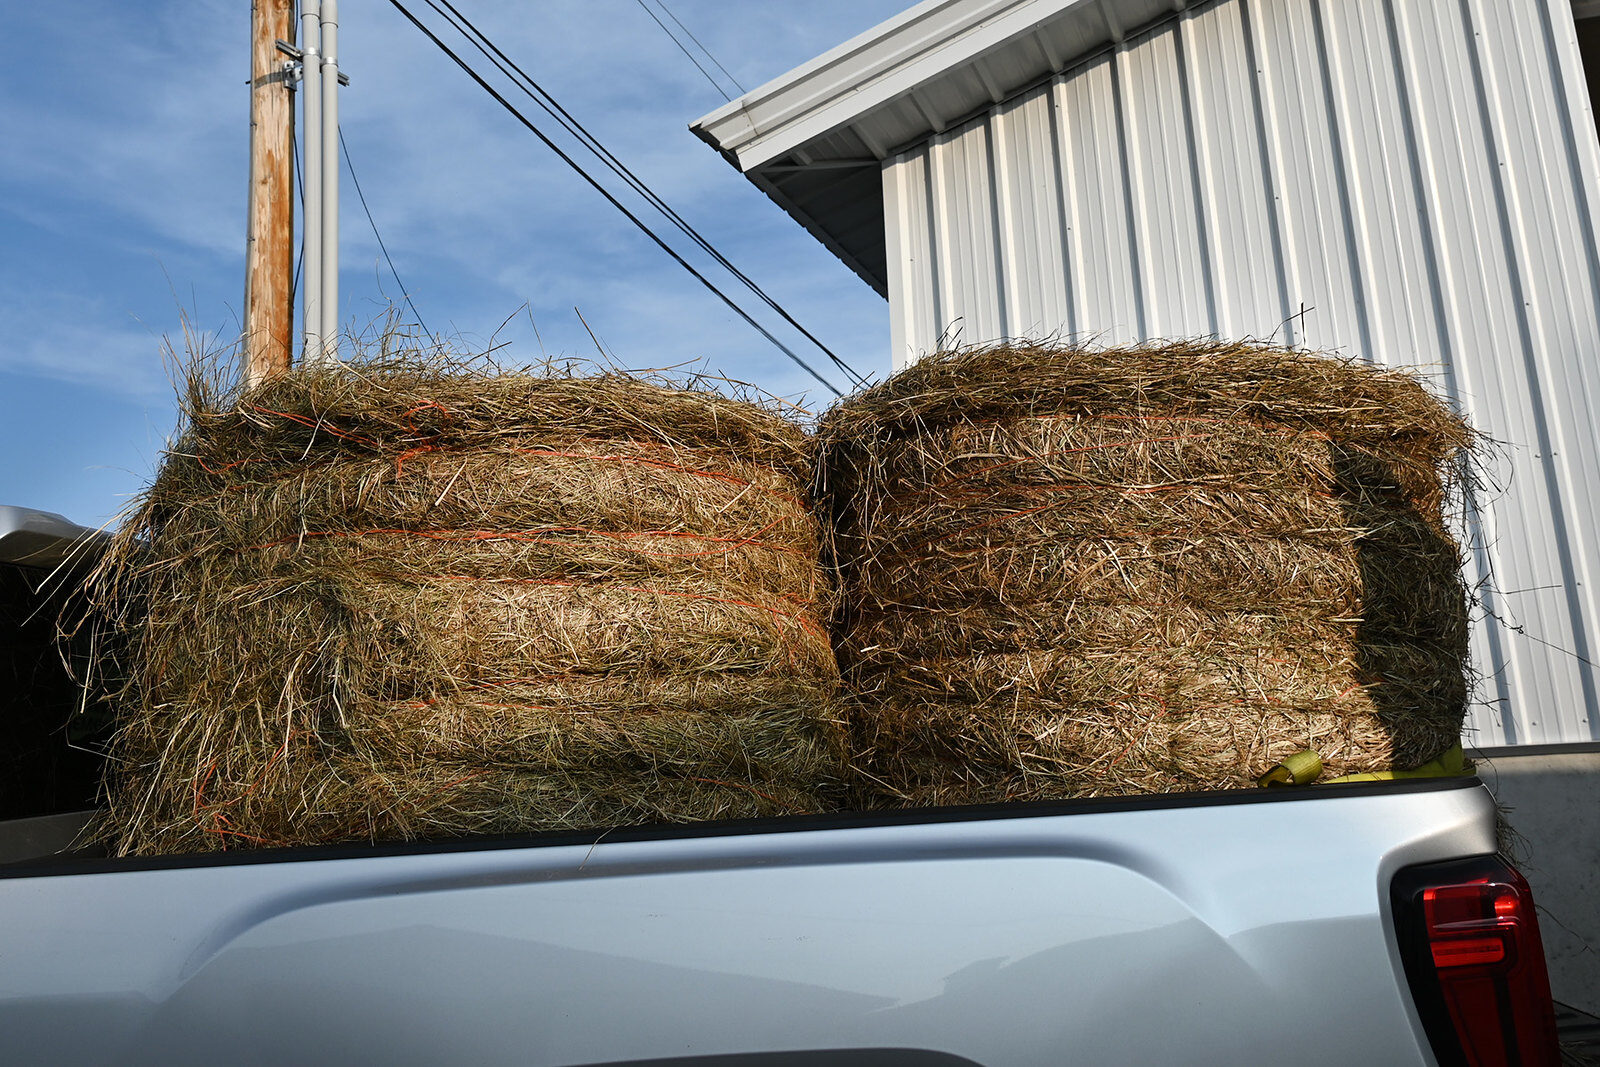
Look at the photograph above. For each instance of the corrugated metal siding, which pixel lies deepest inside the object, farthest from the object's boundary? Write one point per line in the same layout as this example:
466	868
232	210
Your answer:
1413	181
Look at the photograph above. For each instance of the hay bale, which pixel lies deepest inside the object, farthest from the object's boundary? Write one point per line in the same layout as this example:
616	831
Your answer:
1070	572
411	597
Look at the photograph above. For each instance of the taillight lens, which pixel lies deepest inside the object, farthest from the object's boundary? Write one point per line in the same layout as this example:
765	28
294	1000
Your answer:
1470	940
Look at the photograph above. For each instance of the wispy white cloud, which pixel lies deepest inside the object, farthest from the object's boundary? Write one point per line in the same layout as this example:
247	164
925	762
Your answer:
152	138
87	345
123	181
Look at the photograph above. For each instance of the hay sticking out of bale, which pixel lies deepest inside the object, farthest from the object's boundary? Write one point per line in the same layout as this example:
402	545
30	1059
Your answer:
1073	572
420	597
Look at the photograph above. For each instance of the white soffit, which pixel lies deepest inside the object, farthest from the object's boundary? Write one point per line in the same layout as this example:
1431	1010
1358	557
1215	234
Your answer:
813	139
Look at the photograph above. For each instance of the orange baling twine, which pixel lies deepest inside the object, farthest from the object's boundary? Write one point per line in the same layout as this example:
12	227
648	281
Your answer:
429	444
543	536
796	617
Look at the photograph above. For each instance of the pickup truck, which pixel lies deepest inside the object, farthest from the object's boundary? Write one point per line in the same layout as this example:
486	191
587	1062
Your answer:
1368	923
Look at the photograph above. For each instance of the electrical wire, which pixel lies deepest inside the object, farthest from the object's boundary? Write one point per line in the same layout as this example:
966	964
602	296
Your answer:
548	103
300	259
663	5
404	292
552	107
603	191
681	47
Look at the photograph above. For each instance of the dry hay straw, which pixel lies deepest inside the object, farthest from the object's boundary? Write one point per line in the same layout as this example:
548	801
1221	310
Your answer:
1075	572
420	596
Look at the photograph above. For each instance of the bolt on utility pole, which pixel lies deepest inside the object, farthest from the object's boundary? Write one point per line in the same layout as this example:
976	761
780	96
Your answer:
269	252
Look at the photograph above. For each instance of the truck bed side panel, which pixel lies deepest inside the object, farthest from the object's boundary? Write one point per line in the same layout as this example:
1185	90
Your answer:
1200	934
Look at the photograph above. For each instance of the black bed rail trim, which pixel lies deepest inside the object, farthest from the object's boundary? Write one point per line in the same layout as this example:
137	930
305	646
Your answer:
785	824
1554	748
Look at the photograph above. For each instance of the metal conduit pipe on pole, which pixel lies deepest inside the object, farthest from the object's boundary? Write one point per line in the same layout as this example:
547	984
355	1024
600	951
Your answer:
311	83
330	179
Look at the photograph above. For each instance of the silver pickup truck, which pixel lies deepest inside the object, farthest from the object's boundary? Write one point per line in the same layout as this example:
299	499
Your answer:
1347	924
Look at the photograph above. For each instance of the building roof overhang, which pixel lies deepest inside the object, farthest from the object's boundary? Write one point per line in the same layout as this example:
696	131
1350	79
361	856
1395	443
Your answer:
814	139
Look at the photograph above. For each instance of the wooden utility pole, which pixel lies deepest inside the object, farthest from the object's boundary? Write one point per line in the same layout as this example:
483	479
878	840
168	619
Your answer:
269	255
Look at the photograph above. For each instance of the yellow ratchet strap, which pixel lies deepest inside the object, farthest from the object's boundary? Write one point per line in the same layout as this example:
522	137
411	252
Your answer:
1301	768
1451	763
1305	766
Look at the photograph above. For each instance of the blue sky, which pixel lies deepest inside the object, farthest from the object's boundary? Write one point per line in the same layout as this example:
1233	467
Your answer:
122	197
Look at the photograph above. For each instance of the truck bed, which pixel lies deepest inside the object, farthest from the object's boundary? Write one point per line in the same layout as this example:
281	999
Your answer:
1202	928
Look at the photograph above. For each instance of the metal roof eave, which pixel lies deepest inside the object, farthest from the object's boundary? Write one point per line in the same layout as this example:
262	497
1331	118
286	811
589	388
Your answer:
871	268
921	72
872	70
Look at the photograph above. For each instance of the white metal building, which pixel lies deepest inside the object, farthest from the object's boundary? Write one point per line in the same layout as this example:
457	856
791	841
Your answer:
1413	181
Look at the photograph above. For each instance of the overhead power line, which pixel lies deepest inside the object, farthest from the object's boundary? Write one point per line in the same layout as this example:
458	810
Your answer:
548	103
703	48
552	107
684	49
603	191
404	292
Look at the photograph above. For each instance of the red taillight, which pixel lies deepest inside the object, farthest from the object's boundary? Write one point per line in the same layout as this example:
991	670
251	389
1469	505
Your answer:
1469	952
1476	963
1475	924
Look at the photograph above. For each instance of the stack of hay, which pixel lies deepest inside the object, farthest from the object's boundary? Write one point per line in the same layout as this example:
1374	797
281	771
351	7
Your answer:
406	599
1068	572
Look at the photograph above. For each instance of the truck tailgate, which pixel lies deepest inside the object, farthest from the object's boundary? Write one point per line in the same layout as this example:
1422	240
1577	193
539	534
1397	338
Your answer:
1228	928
